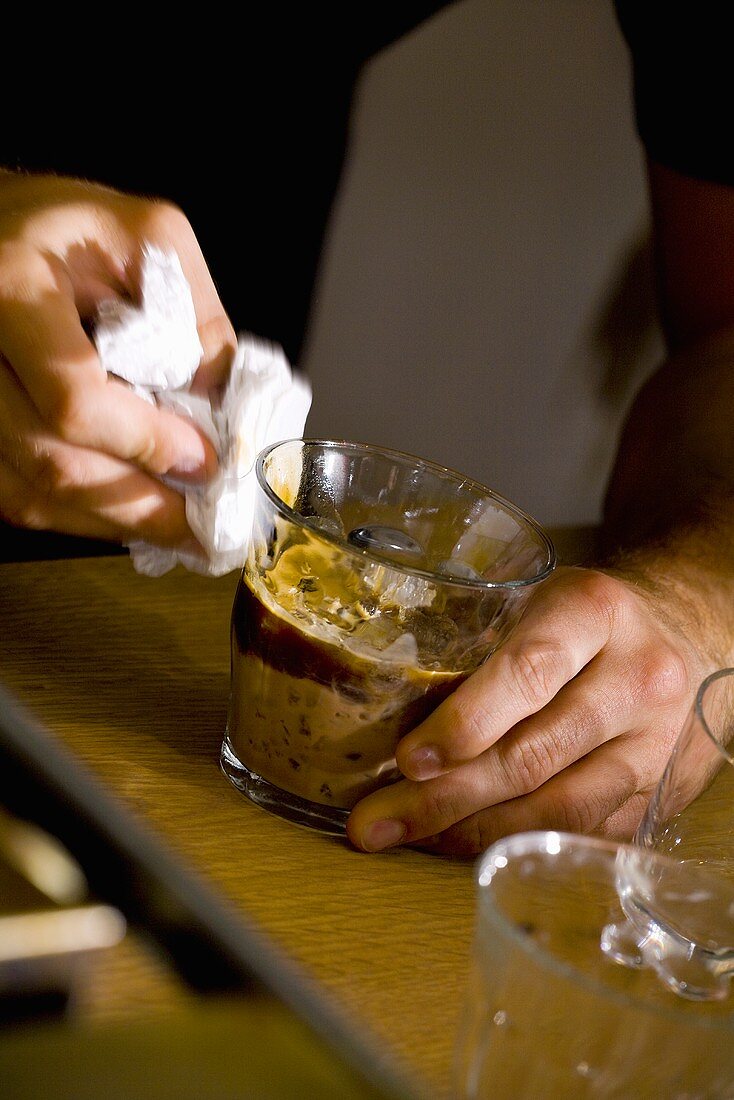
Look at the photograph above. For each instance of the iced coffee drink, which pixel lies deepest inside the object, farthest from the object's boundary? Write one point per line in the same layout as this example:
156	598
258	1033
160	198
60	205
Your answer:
363	603
325	683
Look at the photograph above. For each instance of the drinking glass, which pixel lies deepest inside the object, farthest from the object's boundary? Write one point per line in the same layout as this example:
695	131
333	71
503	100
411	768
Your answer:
374	584
689	818
550	1015
691	813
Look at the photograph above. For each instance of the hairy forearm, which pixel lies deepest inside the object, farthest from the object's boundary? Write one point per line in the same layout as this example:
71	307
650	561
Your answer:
669	514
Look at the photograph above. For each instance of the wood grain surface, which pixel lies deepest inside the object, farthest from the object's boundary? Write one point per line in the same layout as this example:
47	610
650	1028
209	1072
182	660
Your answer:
132	673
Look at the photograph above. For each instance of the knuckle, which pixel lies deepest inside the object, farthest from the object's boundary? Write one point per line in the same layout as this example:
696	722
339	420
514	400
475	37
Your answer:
601	593
536	672
636	766
52	476
663	679
21	509
469	722
475	835
527	764
146	454
623	821
582	813
168	221
443	806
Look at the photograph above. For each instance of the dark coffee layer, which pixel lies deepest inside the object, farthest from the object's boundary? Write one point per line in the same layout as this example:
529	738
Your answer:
315	718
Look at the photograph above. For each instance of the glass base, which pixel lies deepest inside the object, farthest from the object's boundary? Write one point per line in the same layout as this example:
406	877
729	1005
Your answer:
330	820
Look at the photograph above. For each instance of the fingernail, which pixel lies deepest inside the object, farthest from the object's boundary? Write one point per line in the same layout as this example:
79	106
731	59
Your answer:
192	464
424	763
382	834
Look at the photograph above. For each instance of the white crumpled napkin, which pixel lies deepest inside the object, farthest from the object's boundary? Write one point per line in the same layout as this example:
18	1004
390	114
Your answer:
154	346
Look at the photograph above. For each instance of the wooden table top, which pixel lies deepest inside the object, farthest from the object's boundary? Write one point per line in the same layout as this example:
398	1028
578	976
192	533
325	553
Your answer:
131	673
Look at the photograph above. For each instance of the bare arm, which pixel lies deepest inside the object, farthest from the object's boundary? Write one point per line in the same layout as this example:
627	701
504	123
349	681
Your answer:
676	456
670	504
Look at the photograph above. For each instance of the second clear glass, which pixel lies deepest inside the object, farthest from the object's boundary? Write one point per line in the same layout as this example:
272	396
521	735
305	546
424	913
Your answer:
549	1015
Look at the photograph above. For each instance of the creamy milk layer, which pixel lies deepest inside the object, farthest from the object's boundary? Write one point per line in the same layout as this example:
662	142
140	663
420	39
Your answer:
324	683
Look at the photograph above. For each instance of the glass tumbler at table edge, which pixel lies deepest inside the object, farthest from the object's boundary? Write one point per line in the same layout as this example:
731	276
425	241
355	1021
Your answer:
375	583
548	1015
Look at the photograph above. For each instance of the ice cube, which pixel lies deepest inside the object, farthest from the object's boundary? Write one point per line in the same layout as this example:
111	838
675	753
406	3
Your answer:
388	541
434	634
377	633
393	588
404	651
455	567
316	503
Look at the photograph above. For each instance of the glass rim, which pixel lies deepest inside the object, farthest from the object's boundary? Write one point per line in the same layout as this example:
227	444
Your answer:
698	708
362	552
520	844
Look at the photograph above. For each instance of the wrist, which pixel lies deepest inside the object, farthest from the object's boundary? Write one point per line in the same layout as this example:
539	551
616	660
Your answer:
687	576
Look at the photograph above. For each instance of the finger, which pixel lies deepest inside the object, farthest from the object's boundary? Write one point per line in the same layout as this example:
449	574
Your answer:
119	224
45	343
584	716
126	508
563	628
576	721
48	484
623	823
168	227
218	341
606	793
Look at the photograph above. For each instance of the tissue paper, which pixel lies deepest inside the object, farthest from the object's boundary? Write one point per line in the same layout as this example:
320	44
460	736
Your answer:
155	347
154	344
